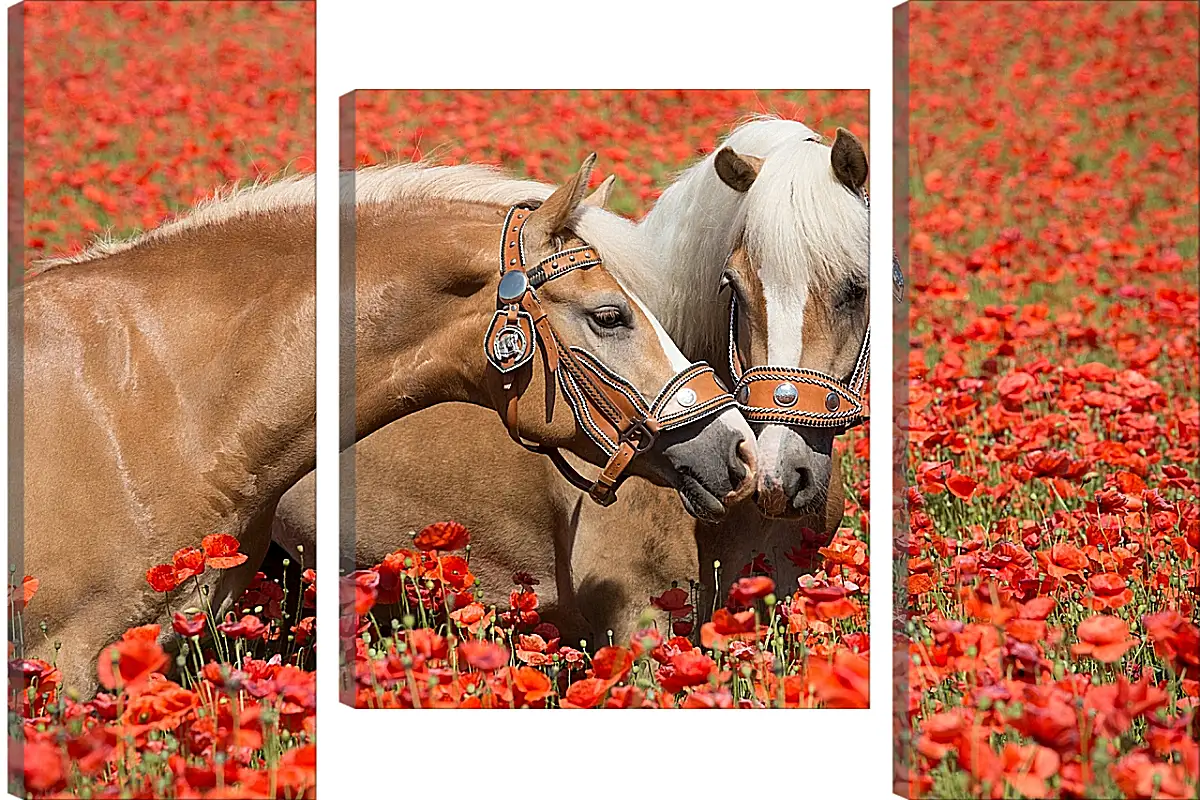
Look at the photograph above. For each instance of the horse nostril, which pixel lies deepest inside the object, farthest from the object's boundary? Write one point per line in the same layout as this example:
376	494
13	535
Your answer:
742	471
804	475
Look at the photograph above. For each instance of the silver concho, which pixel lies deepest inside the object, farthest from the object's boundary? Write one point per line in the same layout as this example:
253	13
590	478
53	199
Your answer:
686	397
513	286
510	343
786	395
743	394
832	401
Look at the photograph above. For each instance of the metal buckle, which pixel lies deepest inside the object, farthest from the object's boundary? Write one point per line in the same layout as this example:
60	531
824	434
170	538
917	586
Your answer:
645	436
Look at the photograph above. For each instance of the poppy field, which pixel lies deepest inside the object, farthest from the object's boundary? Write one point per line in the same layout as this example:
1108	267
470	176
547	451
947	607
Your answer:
136	111
133	112
418	632
1052	571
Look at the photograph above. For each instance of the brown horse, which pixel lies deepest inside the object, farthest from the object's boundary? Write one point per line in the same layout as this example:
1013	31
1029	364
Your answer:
169	394
581	356
783	225
148	427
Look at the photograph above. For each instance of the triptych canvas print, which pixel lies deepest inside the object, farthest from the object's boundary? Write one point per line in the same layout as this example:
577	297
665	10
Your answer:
603	367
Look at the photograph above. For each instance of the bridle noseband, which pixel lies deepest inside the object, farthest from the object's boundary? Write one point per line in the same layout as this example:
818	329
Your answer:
609	409
804	398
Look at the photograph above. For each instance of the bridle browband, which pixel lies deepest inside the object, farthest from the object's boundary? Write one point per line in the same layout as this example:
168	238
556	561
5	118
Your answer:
609	409
804	398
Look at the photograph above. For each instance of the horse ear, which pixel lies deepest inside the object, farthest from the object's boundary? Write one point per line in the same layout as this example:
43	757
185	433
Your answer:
599	198
849	161
737	171
552	215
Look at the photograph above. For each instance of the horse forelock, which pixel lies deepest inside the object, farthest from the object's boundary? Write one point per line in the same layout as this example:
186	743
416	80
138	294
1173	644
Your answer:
799	224
802	229
806	235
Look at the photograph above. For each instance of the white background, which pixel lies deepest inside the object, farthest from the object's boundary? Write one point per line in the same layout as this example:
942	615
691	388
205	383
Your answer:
615	44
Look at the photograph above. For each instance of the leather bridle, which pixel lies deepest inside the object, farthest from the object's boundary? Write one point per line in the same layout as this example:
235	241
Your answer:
609	409
804	398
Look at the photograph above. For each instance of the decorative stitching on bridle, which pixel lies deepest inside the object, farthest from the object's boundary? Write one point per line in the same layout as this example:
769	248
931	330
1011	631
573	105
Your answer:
850	392
583	377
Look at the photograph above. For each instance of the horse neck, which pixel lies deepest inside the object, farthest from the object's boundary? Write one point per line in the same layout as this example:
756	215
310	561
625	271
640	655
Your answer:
691	229
422	303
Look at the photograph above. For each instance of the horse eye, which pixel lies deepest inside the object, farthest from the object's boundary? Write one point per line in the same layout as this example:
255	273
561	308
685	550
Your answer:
608	317
726	281
852	295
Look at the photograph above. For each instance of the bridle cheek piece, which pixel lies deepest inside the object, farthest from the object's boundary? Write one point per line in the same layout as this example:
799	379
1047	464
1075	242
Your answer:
609	409
804	398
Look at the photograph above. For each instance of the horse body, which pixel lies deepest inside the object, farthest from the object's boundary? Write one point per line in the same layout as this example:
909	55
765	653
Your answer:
596	567
153	416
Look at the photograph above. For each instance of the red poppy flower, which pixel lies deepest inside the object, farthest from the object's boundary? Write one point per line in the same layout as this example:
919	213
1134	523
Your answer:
483	656
843	682
674	601
532	685
161	705
1026	768
29	587
189	627
44	767
472	616
525	580
188	563
1104	638
248	627
725	624
612	664
707	697
305	631
689	668
1137	775
683	627
456	574
362	586
1175	639
919	584
961	486
221	551
1015	388
91	749
162	578
442	536
131	661
586	693
845	552
1111	591
625	697
747	590
644	641
1118	704
1063	560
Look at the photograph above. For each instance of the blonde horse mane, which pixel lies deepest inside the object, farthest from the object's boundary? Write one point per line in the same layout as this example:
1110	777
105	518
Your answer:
262	197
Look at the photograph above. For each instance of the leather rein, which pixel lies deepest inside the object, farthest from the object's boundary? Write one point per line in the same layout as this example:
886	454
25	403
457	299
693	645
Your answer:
607	407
